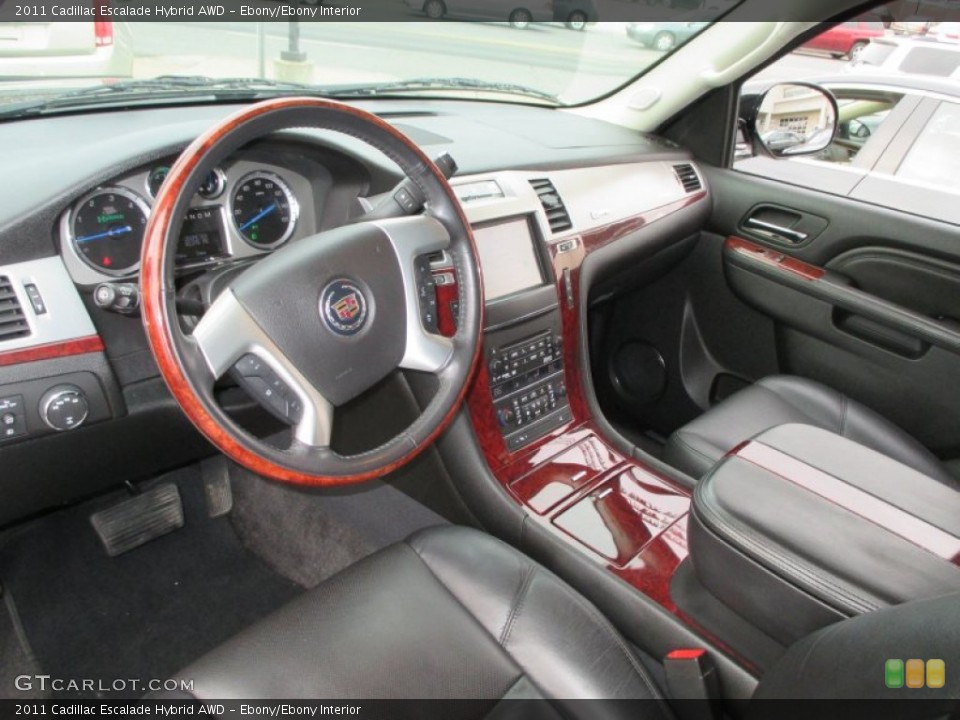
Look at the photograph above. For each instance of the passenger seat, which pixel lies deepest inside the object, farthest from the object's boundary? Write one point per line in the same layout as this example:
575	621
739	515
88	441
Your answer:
781	399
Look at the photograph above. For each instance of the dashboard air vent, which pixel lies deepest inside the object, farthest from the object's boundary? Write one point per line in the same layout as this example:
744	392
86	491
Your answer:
688	178
557	214
13	322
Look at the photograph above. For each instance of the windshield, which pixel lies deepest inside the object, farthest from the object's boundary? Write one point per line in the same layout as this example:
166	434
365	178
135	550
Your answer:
560	55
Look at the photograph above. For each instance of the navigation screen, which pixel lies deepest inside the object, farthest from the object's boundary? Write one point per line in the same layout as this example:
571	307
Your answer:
508	258
201	236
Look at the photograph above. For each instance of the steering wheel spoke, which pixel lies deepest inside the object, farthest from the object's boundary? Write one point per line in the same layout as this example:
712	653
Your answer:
413	238
228	335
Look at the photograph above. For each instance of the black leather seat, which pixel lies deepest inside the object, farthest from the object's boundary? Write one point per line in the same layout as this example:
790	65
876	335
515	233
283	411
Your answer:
449	613
783	399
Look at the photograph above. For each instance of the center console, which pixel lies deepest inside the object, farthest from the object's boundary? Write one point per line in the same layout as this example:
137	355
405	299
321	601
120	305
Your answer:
800	527
523	342
528	403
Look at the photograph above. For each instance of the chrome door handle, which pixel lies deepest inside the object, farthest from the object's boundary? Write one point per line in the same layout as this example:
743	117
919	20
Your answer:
794	236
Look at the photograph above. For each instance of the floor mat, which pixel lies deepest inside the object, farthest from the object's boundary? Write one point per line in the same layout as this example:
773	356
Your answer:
308	534
17	662
145	614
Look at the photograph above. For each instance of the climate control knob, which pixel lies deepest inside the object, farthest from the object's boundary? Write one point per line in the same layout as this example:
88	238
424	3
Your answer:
64	407
506	416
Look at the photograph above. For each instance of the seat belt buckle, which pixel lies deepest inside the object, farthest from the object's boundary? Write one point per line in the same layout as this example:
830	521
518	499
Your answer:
693	684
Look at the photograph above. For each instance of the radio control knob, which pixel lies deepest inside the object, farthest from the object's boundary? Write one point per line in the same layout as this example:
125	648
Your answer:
64	407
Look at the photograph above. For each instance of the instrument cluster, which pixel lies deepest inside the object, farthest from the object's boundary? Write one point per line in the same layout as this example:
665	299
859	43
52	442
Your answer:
241	210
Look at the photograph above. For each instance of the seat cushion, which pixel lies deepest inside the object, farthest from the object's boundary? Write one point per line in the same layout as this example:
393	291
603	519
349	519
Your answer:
449	613
784	399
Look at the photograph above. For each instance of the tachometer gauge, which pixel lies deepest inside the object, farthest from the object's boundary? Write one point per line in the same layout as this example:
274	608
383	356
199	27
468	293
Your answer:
264	210
107	229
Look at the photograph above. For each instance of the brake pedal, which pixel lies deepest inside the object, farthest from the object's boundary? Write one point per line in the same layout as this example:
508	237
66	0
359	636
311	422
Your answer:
140	519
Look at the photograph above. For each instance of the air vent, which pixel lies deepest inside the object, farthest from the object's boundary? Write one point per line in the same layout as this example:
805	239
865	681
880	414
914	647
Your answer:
557	214
13	323
688	178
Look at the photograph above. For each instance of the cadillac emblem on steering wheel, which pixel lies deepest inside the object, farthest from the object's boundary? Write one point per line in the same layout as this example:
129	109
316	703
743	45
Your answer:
343	308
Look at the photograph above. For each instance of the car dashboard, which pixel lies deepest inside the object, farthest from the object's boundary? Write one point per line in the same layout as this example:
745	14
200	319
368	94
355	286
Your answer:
563	210
533	183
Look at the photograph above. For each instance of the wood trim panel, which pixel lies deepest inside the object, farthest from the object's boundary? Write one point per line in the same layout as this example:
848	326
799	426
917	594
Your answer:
773	258
79	346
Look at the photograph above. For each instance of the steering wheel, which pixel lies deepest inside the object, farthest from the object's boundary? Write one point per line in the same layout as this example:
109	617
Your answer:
329	315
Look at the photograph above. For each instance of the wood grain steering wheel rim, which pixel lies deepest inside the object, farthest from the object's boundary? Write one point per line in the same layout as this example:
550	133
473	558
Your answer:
191	362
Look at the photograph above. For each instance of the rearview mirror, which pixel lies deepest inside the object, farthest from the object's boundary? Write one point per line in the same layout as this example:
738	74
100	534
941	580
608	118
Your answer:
793	119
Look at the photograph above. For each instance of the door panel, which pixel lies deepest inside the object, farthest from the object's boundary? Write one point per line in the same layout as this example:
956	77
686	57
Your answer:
870	305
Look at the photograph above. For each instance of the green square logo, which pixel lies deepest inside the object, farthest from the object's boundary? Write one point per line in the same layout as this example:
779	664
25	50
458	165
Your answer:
893	673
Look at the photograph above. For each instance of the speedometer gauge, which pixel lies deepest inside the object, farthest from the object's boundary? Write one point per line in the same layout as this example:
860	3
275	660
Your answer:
264	210
107	229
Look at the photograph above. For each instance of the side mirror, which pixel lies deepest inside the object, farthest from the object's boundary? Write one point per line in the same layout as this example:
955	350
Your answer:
791	119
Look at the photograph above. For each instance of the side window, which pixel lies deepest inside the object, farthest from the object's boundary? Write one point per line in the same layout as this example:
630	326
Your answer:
934	157
897	140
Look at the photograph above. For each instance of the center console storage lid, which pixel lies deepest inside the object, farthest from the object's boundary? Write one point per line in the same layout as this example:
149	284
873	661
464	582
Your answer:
801	527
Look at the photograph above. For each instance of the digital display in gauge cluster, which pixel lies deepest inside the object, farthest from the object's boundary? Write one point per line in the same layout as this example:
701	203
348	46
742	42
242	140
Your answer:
201	237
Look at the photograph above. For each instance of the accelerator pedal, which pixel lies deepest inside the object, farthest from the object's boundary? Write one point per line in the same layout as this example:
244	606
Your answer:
216	486
140	519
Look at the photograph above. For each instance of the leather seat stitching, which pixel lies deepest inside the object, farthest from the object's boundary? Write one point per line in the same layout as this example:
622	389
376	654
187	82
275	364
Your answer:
517	605
606	625
783	398
602	622
735	530
467	610
678	438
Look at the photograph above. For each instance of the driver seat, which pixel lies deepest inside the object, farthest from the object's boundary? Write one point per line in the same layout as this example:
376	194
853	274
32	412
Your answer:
448	613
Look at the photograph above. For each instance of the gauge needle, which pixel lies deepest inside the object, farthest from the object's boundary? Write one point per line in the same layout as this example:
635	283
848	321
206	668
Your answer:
113	232
259	216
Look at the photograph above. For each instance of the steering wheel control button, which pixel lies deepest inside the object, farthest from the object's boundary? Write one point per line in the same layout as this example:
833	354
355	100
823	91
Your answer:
343	308
13	420
259	379
426	294
64	407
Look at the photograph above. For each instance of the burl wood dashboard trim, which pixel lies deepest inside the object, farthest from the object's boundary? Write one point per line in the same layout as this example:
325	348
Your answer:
773	258
48	351
626	516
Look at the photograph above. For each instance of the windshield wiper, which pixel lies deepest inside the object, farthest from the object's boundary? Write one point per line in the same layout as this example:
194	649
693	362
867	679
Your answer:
161	87
199	87
441	83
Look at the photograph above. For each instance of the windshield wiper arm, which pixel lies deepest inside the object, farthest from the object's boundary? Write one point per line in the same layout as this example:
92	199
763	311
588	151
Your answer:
163	86
442	83
185	82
